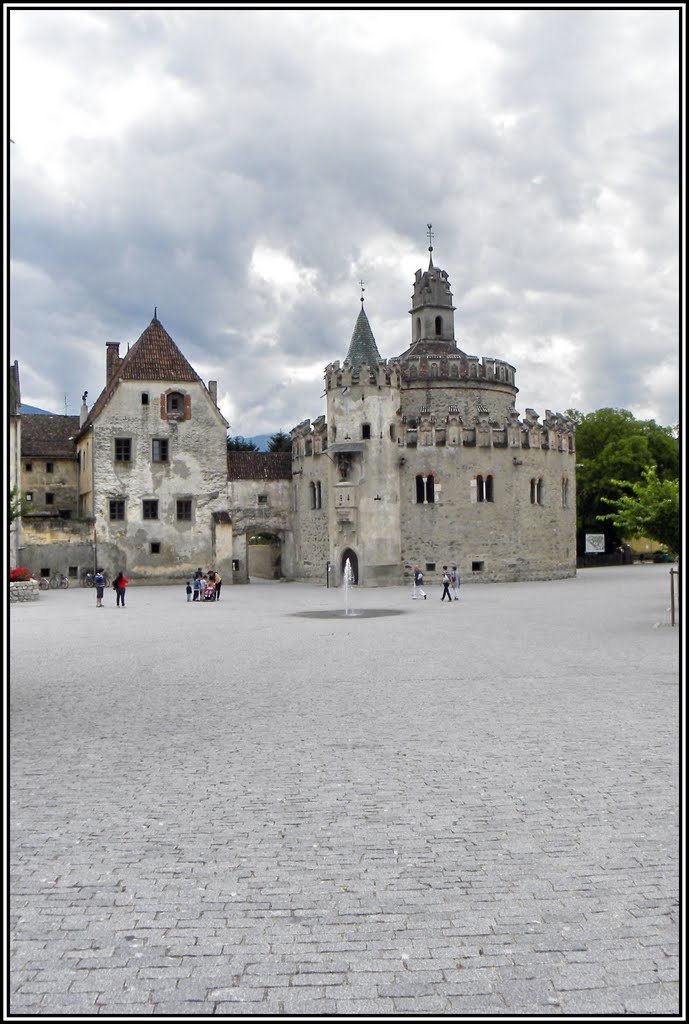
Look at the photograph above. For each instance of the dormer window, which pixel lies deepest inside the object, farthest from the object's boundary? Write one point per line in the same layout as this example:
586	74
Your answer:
175	404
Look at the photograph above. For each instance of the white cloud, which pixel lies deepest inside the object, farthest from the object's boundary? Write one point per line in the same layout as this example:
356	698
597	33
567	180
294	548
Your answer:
244	169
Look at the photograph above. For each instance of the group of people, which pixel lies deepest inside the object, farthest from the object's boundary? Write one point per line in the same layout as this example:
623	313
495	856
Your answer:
119	584
206	586
449	579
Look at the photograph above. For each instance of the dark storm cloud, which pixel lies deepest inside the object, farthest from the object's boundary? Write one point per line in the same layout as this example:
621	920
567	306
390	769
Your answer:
251	166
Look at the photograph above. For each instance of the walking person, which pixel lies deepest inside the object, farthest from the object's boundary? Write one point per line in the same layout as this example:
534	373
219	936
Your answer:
218	585
418	583
99	581
120	585
456	582
446	585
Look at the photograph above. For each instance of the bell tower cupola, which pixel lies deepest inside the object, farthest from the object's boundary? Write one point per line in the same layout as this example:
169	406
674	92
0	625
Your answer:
432	312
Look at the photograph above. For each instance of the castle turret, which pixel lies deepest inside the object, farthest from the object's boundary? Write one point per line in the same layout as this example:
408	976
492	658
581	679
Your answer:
363	397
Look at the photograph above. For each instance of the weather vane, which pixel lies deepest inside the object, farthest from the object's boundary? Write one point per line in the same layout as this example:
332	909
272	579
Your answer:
430	238
361	285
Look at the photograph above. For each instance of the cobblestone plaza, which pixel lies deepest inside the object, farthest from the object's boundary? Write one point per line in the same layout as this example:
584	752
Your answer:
242	808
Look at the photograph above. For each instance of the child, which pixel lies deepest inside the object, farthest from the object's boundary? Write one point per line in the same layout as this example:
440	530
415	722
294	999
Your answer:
188	591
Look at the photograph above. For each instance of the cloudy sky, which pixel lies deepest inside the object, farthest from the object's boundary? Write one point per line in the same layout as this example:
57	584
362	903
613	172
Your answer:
242	170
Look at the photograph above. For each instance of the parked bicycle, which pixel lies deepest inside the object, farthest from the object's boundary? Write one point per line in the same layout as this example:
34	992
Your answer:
43	582
59	580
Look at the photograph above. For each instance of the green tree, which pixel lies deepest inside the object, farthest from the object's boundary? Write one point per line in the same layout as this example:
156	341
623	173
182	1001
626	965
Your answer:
613	446
651	510
240	444
280	442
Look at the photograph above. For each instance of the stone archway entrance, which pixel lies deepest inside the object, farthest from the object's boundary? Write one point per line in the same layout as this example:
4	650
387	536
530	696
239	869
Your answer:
353	561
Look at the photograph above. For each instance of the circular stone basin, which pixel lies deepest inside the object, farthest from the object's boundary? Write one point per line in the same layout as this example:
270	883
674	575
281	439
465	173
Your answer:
364	613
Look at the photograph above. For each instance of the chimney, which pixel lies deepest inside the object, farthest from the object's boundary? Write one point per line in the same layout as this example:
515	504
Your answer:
112	359
84	411
213	389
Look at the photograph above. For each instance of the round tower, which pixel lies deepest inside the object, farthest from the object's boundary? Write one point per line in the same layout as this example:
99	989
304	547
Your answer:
363	398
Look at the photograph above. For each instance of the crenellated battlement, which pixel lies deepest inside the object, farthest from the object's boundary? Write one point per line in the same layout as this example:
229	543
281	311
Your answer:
383	374
429	429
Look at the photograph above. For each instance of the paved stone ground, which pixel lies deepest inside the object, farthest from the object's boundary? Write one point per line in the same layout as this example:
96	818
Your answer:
232	809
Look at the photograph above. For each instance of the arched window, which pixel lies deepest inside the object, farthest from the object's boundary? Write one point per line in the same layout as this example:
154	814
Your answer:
438	326
434	370
489	488
413	371
425	490
539	491
480	491
319	498
312	494
565	492
418	327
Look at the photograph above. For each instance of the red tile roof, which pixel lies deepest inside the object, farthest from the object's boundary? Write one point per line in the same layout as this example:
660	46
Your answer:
259	465
153	356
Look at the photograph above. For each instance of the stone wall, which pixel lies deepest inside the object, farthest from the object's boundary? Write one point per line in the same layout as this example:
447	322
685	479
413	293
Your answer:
24	590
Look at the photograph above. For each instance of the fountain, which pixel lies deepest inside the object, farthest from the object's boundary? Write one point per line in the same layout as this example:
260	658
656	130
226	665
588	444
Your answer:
364	613
347	579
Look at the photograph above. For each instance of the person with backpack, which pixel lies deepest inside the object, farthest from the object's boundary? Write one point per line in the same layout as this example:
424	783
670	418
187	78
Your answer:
418	584
446	585
454	576
99	582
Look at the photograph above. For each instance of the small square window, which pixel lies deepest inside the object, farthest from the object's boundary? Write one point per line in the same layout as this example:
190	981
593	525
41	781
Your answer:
49	498
28	467
366	431
144	397
155	548
477	566
45	572
73	572
150	509
29	497
430	566
263	499
49	467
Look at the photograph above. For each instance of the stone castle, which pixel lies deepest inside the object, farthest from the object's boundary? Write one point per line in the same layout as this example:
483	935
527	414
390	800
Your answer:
420	459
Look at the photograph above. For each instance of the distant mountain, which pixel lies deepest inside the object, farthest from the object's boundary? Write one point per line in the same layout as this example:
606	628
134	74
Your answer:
34	408
261	441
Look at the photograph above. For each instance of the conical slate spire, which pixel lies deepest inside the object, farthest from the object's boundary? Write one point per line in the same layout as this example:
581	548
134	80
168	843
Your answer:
362	347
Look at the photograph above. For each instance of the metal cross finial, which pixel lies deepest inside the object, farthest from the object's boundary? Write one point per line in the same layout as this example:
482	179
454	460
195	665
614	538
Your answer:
361	284
155	312
431	236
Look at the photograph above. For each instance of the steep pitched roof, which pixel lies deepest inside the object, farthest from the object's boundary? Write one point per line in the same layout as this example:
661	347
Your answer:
259	465
362	347
153	356
45	435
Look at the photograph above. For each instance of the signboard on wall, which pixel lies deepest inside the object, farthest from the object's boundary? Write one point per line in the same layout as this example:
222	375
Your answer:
595	543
